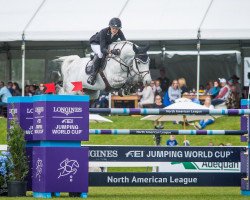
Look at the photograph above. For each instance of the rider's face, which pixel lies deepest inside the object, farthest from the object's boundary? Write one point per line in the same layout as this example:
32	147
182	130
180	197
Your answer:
114	30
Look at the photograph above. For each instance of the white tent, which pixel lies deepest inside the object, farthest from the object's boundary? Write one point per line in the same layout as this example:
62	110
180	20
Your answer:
74	20
148	20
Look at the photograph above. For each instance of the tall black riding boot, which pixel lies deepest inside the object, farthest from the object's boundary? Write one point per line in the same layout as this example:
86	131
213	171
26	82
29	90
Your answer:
97	65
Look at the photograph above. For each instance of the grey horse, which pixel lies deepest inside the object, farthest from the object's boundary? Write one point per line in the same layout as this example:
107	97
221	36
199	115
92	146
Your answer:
119	72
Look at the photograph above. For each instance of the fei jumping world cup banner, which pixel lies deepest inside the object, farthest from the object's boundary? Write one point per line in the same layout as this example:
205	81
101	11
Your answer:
173	159
61	117
164	154
178	166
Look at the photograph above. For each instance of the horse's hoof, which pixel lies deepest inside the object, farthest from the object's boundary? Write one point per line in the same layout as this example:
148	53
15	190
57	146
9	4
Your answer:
91	80
120	93
88	70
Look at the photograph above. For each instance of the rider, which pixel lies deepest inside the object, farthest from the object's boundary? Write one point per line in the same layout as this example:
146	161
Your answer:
100	42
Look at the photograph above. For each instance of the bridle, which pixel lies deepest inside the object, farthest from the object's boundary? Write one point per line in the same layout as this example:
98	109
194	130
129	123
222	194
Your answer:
130	68
138	61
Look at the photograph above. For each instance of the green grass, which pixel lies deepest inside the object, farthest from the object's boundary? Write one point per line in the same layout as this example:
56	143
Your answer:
3	126
134	122
142	193
158	193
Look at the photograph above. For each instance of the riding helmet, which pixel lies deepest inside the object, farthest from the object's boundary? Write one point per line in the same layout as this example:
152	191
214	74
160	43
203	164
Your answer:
115	23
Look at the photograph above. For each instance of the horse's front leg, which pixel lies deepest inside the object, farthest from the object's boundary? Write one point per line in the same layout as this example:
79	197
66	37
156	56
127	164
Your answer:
118	82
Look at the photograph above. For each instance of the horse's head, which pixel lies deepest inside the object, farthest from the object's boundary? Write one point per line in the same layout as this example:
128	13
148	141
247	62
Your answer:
141	64
128	68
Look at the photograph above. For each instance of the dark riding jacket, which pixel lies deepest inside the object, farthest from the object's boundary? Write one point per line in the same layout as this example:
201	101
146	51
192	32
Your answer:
103	38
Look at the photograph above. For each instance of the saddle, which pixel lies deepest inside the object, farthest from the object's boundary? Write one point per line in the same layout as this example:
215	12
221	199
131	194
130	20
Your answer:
89	68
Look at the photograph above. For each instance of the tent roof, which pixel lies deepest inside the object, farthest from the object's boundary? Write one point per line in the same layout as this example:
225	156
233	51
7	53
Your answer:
77	20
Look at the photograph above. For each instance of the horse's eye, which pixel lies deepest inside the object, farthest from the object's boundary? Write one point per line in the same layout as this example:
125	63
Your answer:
138	62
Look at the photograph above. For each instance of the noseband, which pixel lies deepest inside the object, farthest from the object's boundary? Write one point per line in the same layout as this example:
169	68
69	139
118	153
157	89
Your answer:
140	73
130	68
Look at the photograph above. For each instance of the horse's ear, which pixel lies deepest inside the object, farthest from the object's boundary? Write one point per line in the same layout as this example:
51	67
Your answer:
135	49
146	48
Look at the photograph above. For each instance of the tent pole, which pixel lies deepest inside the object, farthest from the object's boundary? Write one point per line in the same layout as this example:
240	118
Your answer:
199	48
23	45
198	63
23	63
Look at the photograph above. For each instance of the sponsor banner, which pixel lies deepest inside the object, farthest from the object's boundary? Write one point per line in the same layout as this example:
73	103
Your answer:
23	113
233	167
164	179
164	154
60	169
61	120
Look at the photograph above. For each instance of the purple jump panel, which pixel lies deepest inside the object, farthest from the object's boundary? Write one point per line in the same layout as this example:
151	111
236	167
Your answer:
60	169
61	117
21	108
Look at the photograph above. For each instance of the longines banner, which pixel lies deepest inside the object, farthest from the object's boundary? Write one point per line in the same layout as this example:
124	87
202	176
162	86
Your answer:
164	179
164	154
61	117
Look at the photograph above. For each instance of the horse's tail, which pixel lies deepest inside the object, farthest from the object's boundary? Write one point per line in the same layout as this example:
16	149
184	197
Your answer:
66	61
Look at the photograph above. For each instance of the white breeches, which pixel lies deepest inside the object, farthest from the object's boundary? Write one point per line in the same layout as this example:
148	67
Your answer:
97	50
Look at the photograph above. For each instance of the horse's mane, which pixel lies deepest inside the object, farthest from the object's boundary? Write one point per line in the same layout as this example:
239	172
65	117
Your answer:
120	42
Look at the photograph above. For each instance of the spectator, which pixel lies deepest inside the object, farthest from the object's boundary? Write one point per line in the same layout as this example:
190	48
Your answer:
221	145
147	96
209	87
166	100
202	89
40	90
215	89
157	88
152	84
233	100
27	91
174	92
158	124
164	81
102	101
172	141
223	94
16	89
235	79
158	104
203	123
9	86
32	90
4	94
183	85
